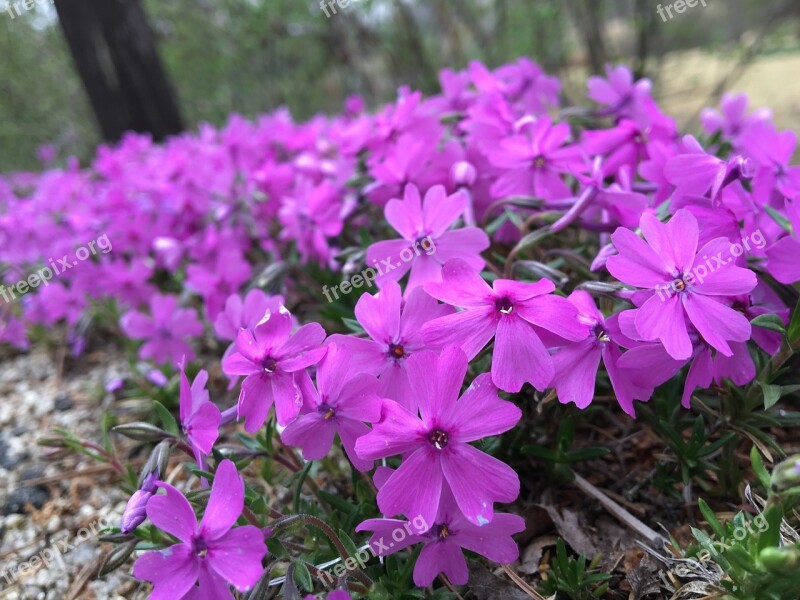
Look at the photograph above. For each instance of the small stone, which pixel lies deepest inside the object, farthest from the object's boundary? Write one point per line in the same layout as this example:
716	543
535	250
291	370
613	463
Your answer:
20	498
63	402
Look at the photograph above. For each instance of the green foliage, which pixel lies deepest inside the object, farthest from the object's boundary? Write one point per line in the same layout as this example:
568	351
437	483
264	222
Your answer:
573	578
558	461
758	562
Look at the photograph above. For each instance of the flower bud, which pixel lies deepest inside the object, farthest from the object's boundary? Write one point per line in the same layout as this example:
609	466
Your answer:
135	513
786	475
463	174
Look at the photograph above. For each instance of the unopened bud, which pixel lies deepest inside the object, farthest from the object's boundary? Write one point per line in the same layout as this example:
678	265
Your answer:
463	174
135	511
142	432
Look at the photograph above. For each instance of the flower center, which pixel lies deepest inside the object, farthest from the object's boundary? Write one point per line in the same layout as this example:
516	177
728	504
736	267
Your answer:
539	162
601	334
396	350
327	411
269	364
200	548
441	531
504	305
439	439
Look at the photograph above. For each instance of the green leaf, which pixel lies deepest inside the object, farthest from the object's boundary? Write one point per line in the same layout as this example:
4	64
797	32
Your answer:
303	577
772	393
169	422
793	330
337	502
540	452
769	321
352	549
758	467
779	218
584	454
711	518
353	325
532	239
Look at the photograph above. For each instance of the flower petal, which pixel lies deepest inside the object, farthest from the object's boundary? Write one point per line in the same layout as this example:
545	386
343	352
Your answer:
414	488
225	503
172	513
237	556
520	356
477	481
481	413
173	571
716	322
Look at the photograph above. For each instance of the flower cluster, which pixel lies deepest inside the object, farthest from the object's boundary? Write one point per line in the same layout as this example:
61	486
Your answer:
620	209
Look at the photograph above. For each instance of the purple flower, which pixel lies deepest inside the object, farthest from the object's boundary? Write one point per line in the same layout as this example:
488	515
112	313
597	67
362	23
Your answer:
732	121
532	163
436	445
311	215
244	313
394	328
213	553
274	360
784	264
340	405
444	541
516	314
427	244
696	287
200	418
576	364
216	281
626	99
708	366
165	330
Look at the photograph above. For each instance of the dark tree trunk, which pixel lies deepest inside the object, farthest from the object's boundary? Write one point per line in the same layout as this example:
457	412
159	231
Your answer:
115	54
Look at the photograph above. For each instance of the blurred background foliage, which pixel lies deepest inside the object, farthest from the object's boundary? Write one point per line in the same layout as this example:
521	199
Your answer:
251	56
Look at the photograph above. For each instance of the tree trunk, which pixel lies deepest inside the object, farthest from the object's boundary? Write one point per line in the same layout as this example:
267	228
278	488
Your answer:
115	54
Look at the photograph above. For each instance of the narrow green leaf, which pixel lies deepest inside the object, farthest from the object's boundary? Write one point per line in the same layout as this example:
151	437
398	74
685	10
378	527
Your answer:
711	518
772	393
303	577
758	467
769	321
169	422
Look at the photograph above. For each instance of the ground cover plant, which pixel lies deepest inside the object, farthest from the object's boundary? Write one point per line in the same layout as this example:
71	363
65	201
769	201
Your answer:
387	350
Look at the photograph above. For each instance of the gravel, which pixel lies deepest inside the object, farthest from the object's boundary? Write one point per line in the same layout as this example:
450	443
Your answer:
53	510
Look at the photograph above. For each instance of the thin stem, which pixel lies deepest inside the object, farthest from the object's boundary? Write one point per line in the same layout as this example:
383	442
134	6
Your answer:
619	512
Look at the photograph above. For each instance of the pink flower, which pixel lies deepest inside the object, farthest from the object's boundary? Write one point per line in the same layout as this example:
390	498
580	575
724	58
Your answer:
200	418
340	405
211	554
165	330
533	162
426	243
444	541
670	262
783	255
394	328
436	445
516	314
576	364
274	362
